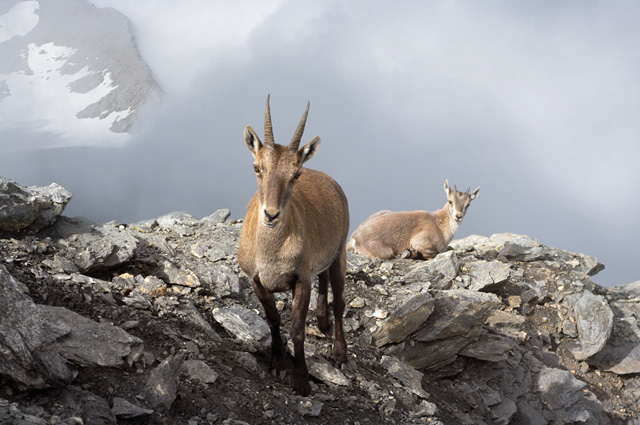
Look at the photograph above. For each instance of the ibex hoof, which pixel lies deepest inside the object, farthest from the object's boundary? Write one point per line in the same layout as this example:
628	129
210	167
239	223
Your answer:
406	254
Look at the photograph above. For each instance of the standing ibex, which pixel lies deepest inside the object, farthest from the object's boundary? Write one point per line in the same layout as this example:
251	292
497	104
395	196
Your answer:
296	227
412	234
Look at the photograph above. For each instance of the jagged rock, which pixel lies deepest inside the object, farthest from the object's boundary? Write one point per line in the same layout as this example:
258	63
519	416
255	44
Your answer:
594	320
32	208
124	409
176	275
218	217
225	282
92	408
244	324
492	347
434	355
439	271
405	320
455	312
96	247
200	371
160	389
179	222
91	343
26	336
489	347
405	374
487	275
566	400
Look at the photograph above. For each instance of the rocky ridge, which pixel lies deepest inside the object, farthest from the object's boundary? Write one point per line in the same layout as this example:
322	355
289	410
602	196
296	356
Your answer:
154	323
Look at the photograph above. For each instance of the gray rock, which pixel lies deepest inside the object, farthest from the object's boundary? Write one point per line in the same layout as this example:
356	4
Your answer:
177	275
200	371
32	208
244	324
487	275
225	282
594	320
439	271
124	409
457	311
160	390
26	336
405	374
91	343
564	396
522	248
308	407
436	354
489	347
219	216
405	320
92	408
99	247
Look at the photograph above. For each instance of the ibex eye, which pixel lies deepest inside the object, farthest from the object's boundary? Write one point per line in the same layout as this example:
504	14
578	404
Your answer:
296	176
256	169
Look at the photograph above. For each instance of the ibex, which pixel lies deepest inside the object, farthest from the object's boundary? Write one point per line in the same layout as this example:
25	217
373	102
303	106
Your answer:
412	234
295	228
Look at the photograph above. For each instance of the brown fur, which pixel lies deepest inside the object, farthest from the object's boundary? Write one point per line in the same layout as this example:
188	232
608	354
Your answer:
295	228
416	234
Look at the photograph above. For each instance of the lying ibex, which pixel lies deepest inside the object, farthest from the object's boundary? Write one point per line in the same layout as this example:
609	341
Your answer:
413	234
295	228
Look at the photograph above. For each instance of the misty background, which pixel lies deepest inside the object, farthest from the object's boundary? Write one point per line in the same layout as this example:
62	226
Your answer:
537	103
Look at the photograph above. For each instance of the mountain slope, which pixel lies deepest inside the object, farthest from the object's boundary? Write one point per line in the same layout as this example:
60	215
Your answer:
71	69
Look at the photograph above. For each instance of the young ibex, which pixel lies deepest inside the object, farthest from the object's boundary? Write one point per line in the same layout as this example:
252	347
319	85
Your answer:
295	228
413	234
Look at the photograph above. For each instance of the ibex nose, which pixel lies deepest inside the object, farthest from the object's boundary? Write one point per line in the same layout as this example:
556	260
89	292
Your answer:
458	218
271	217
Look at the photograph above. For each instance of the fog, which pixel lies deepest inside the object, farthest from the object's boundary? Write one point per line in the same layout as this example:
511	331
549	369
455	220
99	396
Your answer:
537	103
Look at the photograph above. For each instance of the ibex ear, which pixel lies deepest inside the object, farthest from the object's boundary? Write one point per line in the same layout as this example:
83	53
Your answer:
475	193
308	150
252	140
447	189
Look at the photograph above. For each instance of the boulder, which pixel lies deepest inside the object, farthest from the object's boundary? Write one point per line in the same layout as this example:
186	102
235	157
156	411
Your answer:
30	209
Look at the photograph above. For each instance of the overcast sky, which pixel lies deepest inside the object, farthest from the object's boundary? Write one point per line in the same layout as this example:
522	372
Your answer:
538	103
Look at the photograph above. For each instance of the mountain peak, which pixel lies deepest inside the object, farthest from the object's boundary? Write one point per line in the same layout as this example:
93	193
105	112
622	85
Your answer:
71	69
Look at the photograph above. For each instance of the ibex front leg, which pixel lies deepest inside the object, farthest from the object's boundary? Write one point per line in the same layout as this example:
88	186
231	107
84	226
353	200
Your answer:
268	302
301	295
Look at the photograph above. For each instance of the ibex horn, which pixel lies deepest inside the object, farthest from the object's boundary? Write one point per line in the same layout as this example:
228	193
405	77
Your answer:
295	141
268	128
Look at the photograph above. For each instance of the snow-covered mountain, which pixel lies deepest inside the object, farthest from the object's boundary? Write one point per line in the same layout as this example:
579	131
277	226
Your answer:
70	70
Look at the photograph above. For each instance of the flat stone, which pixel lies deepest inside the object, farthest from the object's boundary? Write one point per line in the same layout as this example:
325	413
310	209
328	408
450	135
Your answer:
124	409
457	311
405	320
244	324
487	275
200	371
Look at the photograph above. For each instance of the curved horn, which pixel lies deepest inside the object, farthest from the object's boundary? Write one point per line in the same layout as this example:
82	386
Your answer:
297	136
268	128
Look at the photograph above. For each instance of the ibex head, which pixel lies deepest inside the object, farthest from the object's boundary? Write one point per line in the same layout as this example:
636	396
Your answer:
277	167
458	201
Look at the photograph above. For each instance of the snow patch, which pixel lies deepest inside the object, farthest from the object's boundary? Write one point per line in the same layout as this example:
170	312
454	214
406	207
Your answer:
33	93
19	20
